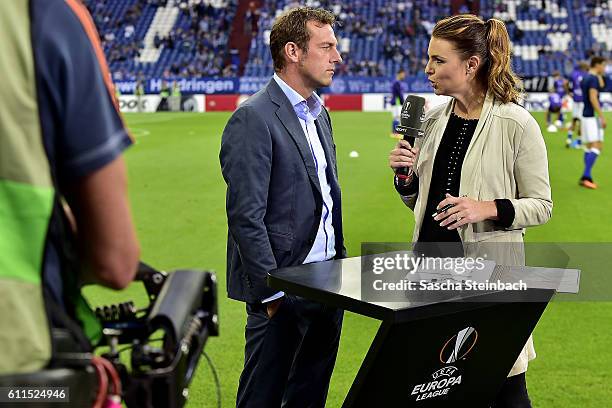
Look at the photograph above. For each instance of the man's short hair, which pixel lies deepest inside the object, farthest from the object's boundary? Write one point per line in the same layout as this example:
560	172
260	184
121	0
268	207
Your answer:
291	27
597	60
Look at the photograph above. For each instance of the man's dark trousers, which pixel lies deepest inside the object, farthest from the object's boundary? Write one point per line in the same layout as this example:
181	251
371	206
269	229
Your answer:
289	358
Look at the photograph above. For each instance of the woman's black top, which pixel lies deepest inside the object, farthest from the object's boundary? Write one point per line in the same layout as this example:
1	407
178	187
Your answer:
446	176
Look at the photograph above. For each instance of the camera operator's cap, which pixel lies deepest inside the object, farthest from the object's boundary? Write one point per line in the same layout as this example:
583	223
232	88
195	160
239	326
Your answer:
412	117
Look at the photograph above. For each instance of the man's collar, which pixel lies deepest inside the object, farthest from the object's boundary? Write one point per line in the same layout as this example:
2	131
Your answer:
314	101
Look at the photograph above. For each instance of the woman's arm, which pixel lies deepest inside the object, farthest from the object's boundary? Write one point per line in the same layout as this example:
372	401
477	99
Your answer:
534	203
404	155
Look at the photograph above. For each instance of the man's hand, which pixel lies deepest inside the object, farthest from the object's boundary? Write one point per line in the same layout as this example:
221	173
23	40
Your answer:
272	307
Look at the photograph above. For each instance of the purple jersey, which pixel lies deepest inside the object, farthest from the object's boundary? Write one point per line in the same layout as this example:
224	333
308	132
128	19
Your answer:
577	76
559	85
396	93
554	100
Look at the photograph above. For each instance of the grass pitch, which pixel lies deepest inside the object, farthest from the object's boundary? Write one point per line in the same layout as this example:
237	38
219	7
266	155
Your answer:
178	200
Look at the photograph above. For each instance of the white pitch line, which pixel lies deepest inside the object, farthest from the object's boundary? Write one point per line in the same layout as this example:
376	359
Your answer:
139	132
154	118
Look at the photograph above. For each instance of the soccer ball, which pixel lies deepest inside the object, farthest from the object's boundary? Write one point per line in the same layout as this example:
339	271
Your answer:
551	128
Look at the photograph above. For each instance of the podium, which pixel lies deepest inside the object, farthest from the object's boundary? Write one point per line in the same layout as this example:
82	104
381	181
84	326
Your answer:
450	348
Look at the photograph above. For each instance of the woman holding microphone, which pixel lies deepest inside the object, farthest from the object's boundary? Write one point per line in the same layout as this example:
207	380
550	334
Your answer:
480	173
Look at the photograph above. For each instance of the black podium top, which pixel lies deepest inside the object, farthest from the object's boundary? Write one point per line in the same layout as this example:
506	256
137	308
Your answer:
339	283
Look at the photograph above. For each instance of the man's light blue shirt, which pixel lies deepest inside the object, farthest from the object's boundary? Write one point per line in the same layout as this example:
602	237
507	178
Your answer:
307	111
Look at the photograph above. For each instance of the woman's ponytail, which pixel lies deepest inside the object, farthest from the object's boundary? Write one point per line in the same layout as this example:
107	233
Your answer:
502	81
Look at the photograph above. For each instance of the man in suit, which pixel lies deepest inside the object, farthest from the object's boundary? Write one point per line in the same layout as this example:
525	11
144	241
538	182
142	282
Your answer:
283	208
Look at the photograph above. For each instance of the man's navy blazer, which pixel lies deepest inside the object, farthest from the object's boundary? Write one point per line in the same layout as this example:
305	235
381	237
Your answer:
273	199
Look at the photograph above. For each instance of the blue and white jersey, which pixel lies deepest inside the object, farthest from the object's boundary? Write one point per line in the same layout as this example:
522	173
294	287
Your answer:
591	81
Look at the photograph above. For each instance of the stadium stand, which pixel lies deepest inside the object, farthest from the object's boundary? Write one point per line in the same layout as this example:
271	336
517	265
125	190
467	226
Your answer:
228	38
376	37
551	35
157	38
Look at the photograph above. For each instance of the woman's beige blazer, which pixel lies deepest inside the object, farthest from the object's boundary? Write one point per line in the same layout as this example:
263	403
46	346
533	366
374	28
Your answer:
506	158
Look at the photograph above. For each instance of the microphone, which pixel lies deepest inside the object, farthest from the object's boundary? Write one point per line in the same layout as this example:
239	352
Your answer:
412	118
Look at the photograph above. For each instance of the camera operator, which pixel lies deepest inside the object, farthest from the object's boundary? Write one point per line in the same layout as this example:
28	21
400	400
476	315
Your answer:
61	139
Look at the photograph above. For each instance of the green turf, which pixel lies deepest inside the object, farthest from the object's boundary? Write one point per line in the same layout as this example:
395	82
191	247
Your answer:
178	199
